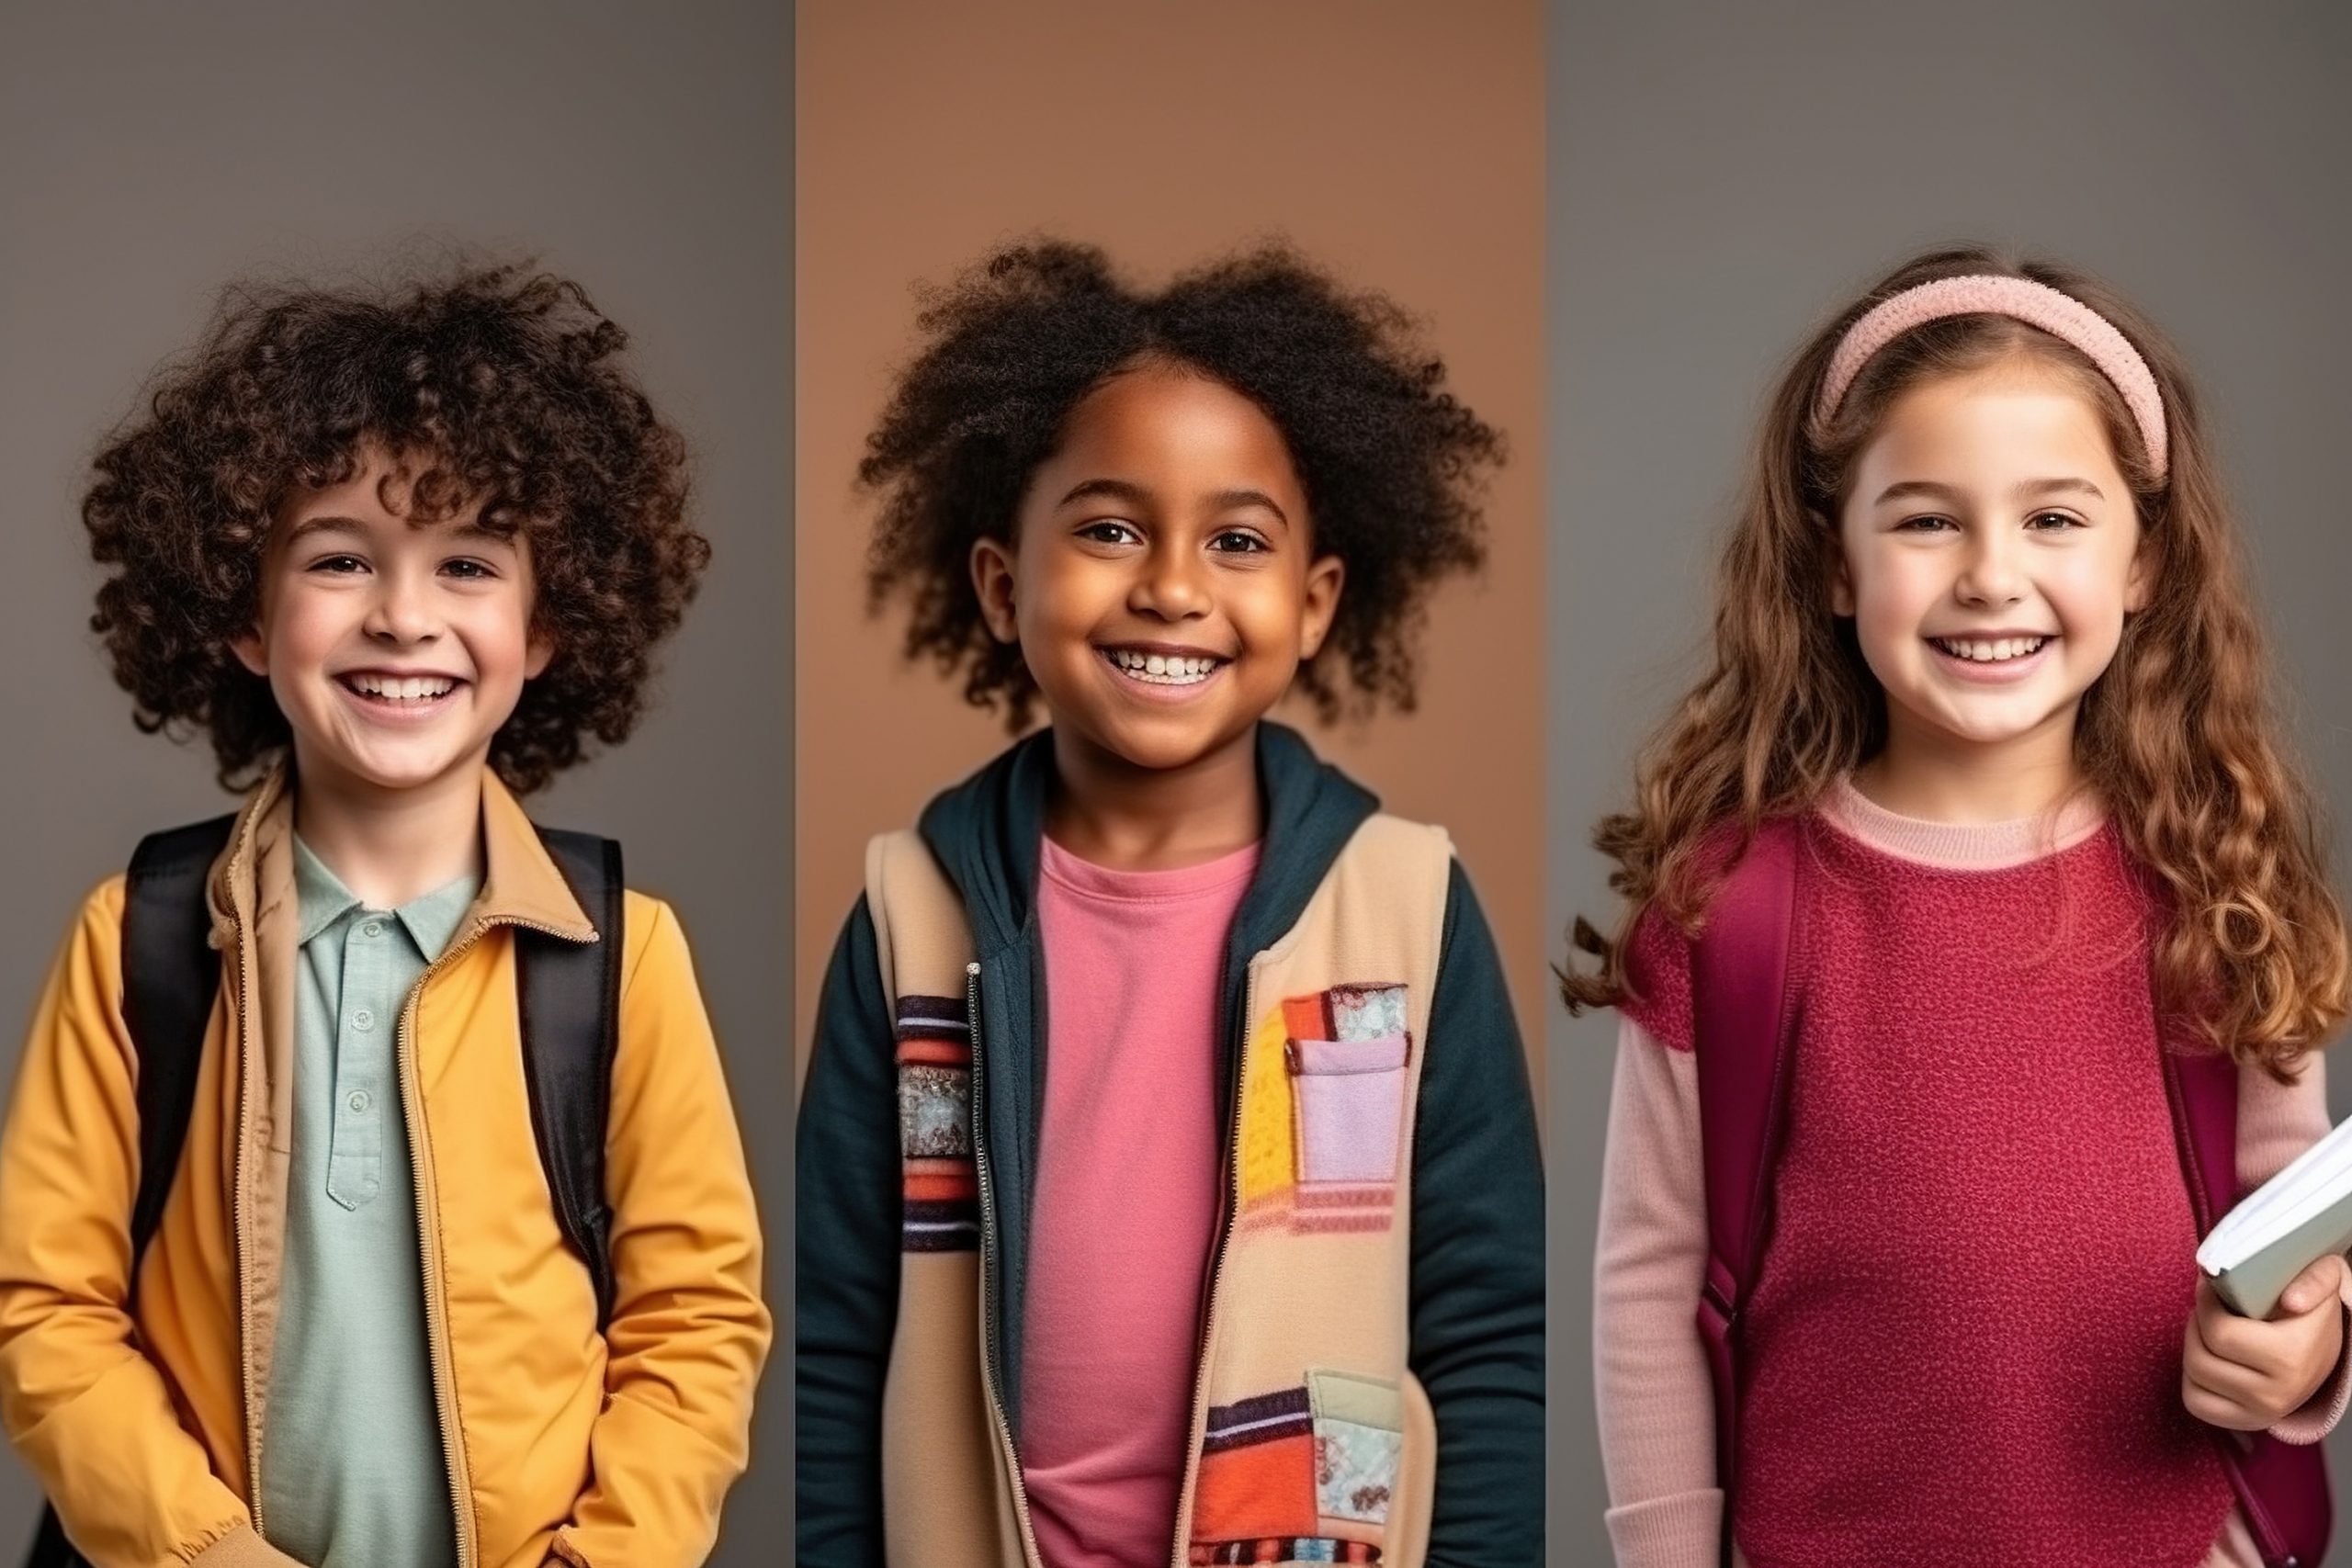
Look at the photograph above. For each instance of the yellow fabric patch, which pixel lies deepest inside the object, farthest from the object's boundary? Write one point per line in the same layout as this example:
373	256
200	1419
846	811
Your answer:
1267	1161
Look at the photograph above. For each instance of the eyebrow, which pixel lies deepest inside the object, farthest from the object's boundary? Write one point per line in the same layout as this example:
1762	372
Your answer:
1903	490
332	523
1138	495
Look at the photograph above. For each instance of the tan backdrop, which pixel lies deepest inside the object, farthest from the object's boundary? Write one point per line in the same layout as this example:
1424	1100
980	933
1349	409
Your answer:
1397	142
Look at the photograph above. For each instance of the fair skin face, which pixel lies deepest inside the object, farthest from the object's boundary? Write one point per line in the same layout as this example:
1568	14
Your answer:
1989	552
1170	527
395	652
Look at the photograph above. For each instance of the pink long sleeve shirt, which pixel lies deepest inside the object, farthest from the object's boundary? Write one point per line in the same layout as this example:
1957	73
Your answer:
1125	1203
1655	1403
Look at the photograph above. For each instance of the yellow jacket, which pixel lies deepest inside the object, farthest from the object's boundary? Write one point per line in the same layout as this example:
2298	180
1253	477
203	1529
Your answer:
143	1416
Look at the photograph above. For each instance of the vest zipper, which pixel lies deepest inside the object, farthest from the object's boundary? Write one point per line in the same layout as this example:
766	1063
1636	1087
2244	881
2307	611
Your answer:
429	1239
1229	1205
991	1325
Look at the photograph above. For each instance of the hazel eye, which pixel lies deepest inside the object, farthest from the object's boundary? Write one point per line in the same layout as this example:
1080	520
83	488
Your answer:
1927	523
2052	521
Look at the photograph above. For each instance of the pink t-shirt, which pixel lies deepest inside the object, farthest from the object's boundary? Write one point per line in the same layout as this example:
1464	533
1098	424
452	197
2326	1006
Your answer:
1126	1199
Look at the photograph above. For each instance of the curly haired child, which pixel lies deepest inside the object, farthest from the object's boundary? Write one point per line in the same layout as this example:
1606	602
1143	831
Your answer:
1977	944
1169	1182
399	555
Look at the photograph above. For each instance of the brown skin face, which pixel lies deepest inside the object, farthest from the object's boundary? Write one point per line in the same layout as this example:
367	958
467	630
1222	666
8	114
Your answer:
1163	586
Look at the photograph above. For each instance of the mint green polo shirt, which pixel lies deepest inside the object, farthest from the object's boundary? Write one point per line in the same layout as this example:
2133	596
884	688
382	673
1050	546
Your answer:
352	1469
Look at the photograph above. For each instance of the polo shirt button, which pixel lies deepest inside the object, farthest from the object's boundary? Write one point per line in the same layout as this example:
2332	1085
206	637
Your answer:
373	927
363	1019
359	1100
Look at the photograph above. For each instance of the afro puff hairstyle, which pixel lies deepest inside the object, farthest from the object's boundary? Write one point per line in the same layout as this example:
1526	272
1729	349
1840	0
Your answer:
1391	465
501	386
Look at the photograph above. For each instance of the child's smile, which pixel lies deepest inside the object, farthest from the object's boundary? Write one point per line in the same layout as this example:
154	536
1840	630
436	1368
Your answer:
395	649
1989	556
1162	581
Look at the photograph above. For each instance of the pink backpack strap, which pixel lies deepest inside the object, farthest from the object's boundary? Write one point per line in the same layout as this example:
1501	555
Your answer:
1743	1032
2281	1486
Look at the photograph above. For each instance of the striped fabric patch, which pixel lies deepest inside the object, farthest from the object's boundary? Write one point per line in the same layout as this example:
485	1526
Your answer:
1284	1549
941	1209
1287	1413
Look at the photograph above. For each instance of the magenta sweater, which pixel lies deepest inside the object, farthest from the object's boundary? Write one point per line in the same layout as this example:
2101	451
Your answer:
1126	1199
1966	1337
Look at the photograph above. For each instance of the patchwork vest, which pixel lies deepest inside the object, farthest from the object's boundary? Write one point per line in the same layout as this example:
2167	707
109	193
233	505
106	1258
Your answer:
1311	1441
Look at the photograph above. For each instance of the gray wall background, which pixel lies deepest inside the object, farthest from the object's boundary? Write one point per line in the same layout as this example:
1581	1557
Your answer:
150	152
1723	176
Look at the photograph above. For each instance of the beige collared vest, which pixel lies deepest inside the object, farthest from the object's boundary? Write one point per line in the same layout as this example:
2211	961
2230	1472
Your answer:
1310	1439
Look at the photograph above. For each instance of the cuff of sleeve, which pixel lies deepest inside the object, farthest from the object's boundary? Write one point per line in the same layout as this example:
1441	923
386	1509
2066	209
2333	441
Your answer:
561	1553
1682	1529
240	1548
2319	1414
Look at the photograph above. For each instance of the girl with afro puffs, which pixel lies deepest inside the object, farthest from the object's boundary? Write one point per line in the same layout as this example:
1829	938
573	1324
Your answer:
405	1294
1168	1187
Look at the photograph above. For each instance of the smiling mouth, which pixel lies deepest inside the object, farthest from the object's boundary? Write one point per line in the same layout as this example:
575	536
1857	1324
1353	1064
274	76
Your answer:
1163	669
408	692
1990	650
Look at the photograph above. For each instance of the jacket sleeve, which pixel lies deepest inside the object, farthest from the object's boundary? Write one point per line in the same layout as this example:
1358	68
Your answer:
688	1331
845	1268
1477	1261
90	1415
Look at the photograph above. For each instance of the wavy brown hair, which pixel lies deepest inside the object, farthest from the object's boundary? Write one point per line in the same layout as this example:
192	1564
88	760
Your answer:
2178	737
503	387
1393	465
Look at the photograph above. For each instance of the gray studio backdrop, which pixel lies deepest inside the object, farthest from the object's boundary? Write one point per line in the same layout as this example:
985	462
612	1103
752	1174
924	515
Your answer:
150	153
1723	176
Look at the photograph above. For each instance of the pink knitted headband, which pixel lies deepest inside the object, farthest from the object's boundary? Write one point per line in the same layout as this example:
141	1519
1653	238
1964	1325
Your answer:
2035	304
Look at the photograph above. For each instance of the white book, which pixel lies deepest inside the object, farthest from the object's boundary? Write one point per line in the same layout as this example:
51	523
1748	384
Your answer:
2298	1216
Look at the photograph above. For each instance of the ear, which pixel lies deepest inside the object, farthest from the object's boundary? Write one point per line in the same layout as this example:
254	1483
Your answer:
1841	581
1326	575
2141	581
537	651
251	651
992	581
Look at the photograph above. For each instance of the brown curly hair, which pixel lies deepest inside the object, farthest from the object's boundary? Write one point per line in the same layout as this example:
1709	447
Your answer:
501	385
1392	463
2178	737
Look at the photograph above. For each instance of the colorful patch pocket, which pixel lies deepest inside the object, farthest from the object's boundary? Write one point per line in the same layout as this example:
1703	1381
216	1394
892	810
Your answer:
1359	1442
1350	1106
1257	1475
941	1197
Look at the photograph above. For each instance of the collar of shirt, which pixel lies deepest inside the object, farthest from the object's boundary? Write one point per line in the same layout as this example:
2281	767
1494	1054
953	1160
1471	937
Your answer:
431	919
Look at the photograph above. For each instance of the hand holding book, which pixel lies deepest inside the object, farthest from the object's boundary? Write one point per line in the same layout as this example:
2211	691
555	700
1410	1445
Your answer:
2247	1374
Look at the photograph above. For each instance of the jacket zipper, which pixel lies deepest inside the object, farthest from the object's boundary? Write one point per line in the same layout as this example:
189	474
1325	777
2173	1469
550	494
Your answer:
242	1226
428	1247
1229	1204
990	1327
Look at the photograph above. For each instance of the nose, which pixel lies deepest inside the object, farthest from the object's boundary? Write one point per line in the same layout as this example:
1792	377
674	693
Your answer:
1172	585
400	610
1991	573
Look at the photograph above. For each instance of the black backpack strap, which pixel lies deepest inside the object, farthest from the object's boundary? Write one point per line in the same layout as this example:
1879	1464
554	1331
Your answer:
569	996
170	975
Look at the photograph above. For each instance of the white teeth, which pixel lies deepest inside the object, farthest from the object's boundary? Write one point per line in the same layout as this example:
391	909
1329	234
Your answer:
1162	669
404	689
1992	651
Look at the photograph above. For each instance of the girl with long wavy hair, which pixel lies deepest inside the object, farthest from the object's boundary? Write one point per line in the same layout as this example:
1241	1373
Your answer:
1988	682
